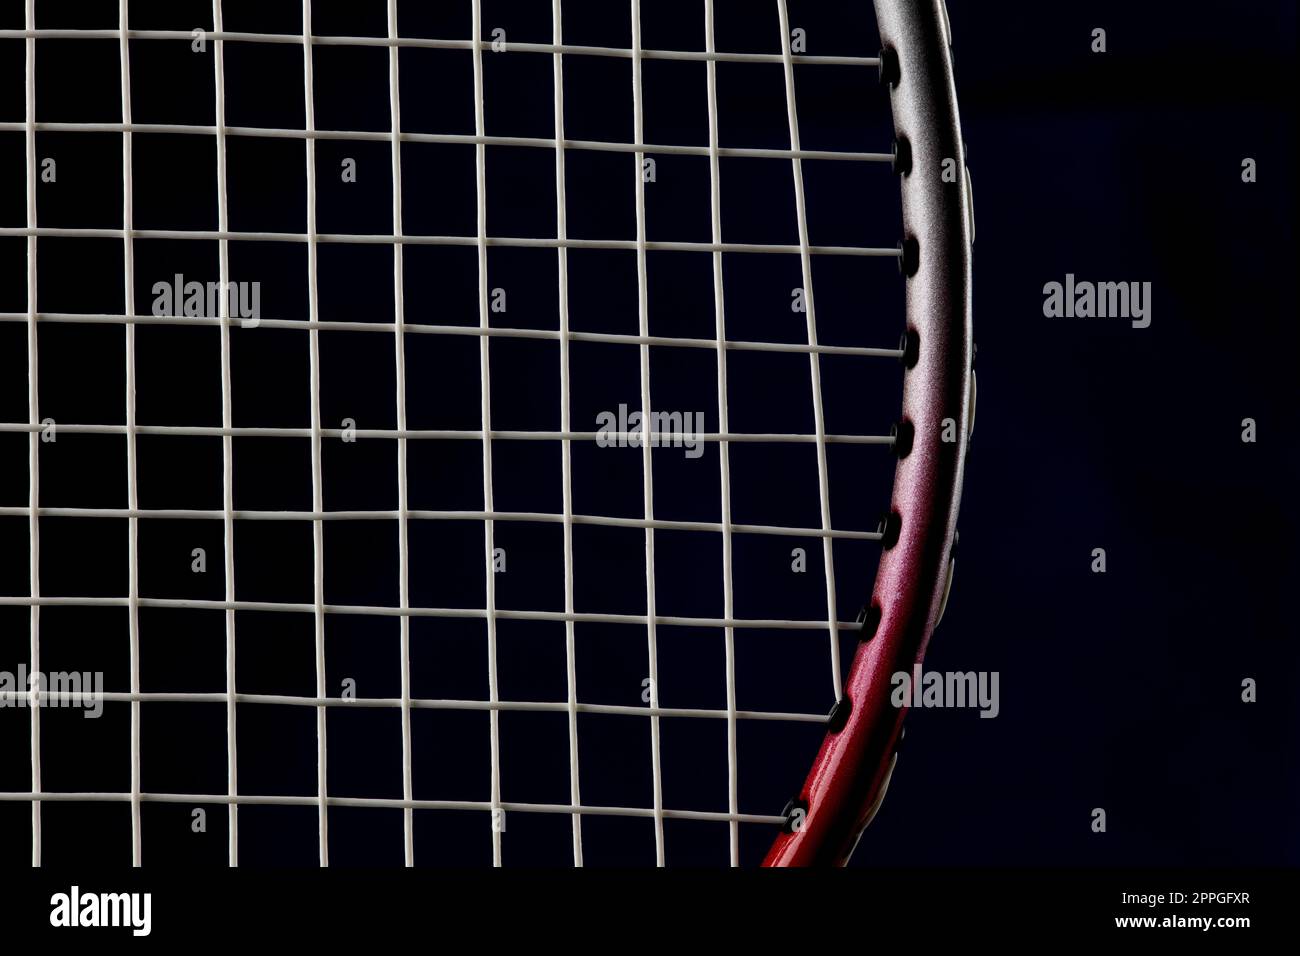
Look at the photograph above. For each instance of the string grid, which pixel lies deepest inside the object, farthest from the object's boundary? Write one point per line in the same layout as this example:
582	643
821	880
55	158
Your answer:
490	372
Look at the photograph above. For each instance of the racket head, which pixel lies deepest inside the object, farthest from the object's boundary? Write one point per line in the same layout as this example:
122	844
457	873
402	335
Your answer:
271	361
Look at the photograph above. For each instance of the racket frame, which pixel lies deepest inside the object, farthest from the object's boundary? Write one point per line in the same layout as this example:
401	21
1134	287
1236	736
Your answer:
851	772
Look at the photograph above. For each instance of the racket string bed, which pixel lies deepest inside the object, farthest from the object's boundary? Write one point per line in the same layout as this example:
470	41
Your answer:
406	325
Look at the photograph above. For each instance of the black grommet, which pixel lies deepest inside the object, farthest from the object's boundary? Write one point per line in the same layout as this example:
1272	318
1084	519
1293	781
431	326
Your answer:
910	346
789	814
952	552
889	69
891	525
902	156
909	259
903	434
839	715
869	618
974	354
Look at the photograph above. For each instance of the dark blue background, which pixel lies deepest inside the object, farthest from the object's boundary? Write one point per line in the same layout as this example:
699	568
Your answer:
1122	691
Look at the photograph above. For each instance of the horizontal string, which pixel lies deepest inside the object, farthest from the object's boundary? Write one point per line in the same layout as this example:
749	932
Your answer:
664	439
431	43
409	239
449	139
305	325
640	620
380	803
279	700
419	514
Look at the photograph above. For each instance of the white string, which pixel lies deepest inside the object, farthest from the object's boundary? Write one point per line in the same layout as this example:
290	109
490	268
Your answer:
80	318
660	524
227	447
458	139
33	418
399	348
375	703
317	480
630	245
454	139
664	438
462	139
380	803
132	473
819	422
643	313
480	164
724	447
584	617
441	44
566	457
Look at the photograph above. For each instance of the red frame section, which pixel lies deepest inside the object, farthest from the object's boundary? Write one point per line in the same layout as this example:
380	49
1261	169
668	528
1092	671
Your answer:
852	768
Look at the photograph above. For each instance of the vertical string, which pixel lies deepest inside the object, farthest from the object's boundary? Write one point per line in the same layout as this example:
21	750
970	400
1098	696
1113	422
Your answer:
562	263
227	446
724	447
480	164
819	418
317	483
643	313
33	436
132	472
399	350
